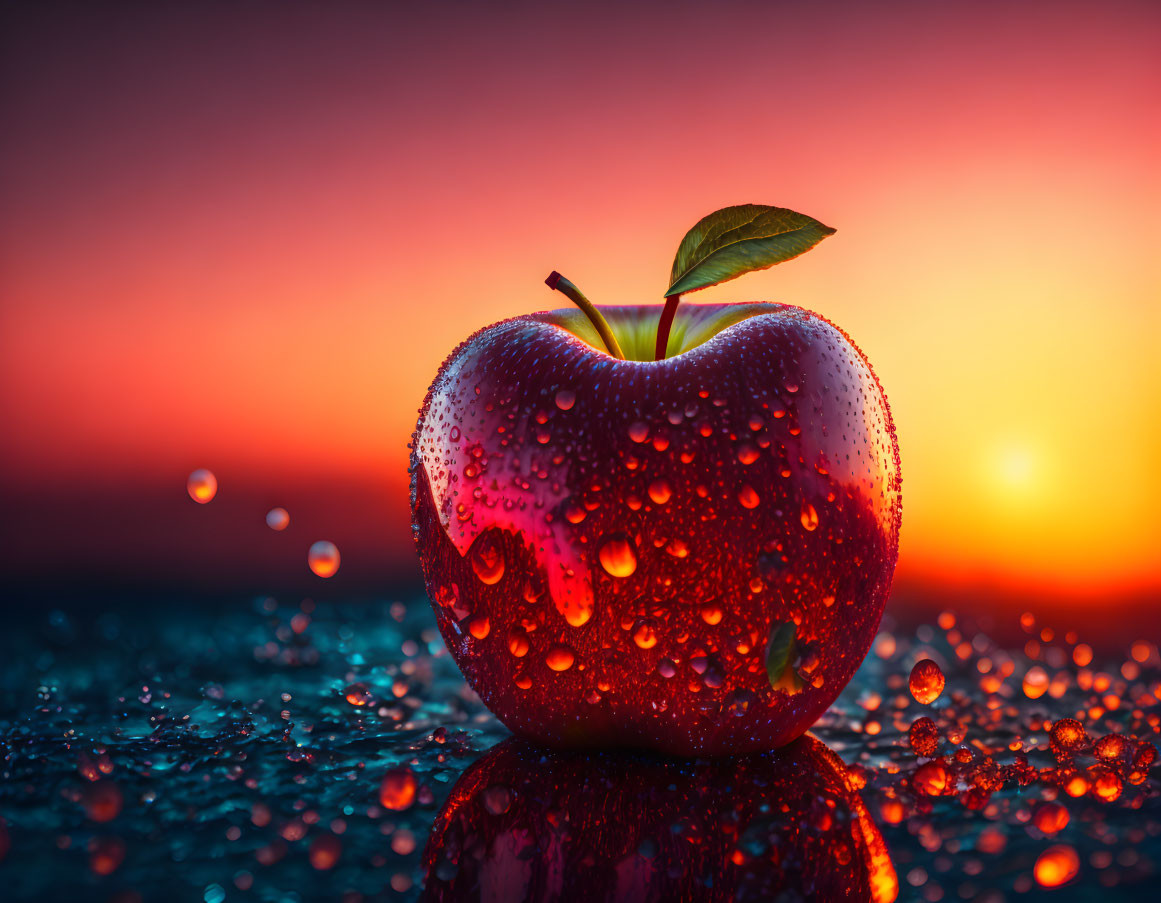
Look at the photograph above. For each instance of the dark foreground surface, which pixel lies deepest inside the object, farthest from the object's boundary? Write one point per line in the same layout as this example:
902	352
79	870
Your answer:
279	752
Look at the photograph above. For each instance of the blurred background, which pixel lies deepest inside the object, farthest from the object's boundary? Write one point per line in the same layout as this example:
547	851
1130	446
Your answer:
244	236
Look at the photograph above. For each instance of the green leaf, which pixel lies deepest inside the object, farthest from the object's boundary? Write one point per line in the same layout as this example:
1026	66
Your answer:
734	241
780	654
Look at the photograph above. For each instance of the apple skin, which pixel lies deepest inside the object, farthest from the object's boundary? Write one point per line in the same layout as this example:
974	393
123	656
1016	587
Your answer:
608	544
524	823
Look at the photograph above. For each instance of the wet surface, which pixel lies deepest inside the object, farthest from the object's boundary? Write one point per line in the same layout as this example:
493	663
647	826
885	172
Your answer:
300	752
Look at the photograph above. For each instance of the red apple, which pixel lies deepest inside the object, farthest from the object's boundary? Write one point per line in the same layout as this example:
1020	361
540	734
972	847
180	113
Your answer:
689	554
526	824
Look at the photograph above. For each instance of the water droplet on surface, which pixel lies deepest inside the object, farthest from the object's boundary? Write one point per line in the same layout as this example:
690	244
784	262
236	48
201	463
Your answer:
923	737
1035	682
748	453
809	516
639	431
926	682
202	486
617	556
645	634
711	613
278	519
565	399
497	799
666	668
323	558
660	491
560	658
479	627
357	694
518	642
487	558
397	791
748	497
1050	817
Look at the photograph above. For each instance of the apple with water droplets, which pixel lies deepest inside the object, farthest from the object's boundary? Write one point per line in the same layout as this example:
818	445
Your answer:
670	528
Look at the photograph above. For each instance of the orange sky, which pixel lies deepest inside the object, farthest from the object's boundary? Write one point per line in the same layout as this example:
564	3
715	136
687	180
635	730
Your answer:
246	239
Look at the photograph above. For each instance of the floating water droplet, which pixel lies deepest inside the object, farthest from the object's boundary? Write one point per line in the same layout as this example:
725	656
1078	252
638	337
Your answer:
809	516
645	634
565	399
397	791
926	682
1035	682
278	519
487	558
202	486
617	556
560	658
748	497
1056	866
323	854
323	558
1050	817
660	491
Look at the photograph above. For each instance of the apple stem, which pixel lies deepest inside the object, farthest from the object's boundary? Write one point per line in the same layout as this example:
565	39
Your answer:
570	291
664	325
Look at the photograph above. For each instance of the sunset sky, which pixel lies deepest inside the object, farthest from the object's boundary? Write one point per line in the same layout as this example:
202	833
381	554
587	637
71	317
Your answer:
244	238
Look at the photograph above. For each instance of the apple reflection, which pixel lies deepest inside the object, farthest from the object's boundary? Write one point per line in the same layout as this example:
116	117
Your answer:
526	823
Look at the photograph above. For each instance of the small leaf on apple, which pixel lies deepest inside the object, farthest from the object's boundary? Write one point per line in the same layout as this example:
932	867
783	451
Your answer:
734	241
780	654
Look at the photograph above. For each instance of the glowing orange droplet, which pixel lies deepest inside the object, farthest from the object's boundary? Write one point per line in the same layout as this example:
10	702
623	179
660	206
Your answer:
617	556
565	399
748	497
1035	682
660	491
488	559
1067	737
560	658
1050	817
1056	866
323	558
357	694
1108	786
1082	654
479	627
397	792
923	737
644	635
639	432
747	453
926	682
102	801
711	613
931	779
202	485
809	517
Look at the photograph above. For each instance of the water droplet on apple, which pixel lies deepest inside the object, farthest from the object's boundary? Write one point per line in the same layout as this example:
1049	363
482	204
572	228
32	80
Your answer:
809	516
639	431
645	634
202	486
617	555
666	668
747	453
488	558
711	613
565	399
323	558
660	491
748	497
518	642
479	627
278	519
677	548
560	658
